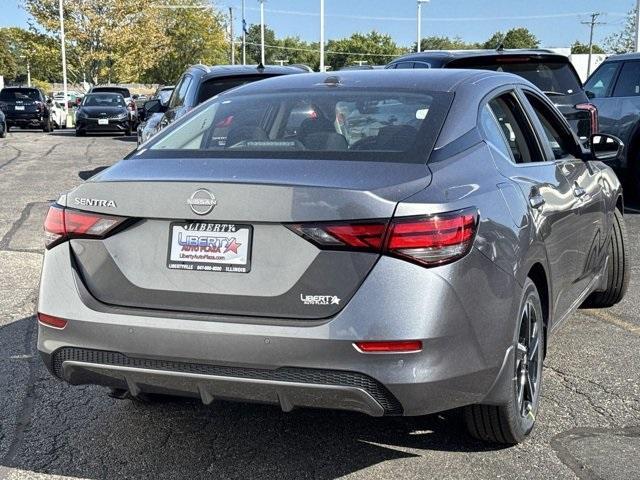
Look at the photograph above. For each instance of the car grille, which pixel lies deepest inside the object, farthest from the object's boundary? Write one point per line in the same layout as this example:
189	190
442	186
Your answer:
374	388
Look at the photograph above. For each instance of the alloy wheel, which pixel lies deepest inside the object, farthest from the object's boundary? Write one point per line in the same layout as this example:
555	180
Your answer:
528	361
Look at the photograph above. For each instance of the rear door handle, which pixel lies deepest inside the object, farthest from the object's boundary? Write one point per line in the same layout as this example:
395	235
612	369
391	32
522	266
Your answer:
536	201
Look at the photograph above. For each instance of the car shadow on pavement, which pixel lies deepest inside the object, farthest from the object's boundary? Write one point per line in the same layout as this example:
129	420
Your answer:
79	431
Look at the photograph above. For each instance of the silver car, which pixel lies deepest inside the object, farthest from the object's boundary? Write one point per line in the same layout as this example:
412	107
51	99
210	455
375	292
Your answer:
388	242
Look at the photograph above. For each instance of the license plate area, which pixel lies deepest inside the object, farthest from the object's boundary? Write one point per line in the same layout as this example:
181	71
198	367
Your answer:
210	247
19	107
103	121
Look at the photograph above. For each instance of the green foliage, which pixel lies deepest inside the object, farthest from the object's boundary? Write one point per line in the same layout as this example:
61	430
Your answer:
445	43
515	38
623	41
374	48
22	47
253	45
579	47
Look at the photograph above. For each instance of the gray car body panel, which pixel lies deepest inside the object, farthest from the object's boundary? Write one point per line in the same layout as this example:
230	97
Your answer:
465	313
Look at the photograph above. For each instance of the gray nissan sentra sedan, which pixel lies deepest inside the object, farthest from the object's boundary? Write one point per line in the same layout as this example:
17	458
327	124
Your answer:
388	242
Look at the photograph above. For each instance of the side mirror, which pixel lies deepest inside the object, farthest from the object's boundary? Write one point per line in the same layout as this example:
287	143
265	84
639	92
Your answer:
605	147
135	96
49	101
590	94
154	106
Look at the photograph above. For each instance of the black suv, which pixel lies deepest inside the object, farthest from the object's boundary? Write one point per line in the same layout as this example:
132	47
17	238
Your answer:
26	107
550	72
200	83
615	89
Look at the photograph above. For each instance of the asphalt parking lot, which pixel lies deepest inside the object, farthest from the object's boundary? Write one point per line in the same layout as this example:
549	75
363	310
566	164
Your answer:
589	424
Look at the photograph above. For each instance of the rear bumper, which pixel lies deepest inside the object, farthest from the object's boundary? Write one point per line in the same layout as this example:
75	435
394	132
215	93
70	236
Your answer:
23	119
297	364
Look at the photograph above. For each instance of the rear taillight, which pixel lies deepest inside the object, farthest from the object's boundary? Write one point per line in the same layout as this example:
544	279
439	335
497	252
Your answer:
428	240
400	346
593	114
62	224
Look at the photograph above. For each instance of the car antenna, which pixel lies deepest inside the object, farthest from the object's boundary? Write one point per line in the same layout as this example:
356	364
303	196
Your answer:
500	47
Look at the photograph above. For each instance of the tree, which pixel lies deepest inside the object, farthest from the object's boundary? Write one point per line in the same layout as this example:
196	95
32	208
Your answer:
579	47
625	40
445	43
515	38
8	64
22	47
189	36
373	47
253	45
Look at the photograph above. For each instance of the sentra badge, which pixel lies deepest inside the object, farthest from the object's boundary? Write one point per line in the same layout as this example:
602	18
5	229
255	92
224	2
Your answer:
94	202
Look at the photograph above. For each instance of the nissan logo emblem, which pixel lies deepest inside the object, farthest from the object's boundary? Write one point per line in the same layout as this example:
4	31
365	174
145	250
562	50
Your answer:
202	201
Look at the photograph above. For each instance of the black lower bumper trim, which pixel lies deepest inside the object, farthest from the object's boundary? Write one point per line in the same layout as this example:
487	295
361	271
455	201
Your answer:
374	388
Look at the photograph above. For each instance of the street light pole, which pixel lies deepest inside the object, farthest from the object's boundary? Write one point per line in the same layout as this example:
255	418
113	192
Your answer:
262	32
64	59
322	35
419	21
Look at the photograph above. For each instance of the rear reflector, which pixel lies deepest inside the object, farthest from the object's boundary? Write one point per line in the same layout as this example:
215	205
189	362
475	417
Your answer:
593	113
62	224
428	240
403	346
51	321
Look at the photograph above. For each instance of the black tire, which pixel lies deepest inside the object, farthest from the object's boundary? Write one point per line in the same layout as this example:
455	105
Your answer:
513	421
48	126
80	133
3	132
618	268
127	132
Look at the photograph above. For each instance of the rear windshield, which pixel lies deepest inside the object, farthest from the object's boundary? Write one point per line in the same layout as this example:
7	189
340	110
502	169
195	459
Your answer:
308	124
211	88
122	91
103	100
13	94
164	96
552	77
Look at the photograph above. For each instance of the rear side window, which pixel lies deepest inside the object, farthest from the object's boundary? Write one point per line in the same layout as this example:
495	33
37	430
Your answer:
122	91
349	124
628	84
180	92
404	65
13	94
599	84
552	77
515	128
493	132
212	87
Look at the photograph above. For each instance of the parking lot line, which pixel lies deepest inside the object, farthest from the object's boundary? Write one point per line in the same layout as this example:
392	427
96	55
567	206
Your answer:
612	319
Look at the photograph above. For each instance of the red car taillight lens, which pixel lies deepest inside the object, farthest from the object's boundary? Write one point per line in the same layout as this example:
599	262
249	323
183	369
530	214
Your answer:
593	113
401	346
433	240
428	240
62	224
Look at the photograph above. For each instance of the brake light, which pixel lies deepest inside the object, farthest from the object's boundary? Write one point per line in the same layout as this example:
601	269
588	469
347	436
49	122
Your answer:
593	113
51	321
433	240
401	346
427	240
62	224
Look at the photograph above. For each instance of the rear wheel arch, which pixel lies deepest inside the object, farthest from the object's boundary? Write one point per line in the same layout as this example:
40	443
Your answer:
538	276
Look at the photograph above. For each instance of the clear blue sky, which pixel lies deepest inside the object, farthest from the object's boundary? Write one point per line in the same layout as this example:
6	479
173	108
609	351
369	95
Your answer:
473	20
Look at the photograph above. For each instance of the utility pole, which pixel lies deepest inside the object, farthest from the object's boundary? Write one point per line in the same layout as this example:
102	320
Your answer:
419	20
262	32
592	24
64	59
233	49
322	35
244	37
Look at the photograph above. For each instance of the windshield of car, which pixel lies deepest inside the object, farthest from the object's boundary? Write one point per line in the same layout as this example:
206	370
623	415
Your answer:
214	86
103	100
550	76
347	124
22	94
122	91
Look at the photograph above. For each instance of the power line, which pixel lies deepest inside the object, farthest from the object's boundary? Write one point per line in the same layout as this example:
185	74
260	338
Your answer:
314	50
